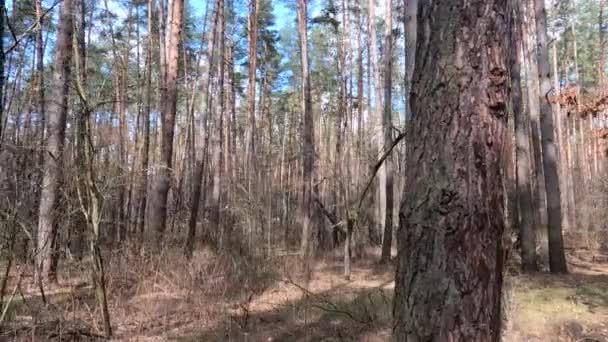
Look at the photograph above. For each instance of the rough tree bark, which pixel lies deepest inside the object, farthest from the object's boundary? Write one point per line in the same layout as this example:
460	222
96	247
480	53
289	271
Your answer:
557	258
53	158
449	272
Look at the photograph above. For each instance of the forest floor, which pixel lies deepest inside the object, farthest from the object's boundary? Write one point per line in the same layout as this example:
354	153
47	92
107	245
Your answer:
209	300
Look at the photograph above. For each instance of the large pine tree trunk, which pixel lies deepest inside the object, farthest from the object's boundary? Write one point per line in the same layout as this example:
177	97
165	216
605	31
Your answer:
449	272
557	259
53	158
158	203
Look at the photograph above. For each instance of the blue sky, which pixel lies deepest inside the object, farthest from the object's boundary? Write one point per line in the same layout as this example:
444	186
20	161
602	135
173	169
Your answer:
283	15
281	12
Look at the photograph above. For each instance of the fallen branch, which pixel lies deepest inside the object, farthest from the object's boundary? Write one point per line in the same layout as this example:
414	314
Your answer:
333	307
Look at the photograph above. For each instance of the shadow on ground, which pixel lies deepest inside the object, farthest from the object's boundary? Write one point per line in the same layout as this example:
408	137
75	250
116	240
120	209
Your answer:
326	316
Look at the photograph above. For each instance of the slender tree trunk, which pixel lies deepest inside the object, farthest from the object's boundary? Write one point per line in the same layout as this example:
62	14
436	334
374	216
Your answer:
449	271
411	27
218	133
601	58
146	148
91	199
360	69
561	141
39	74
158	210
377	118
123	147
570	170
522	140
308	137
53	159
252	27
557	259
2	59
199	174
387	123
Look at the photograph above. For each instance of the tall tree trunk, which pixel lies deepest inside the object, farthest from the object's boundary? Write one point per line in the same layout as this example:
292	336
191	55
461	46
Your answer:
218	133
387	125
158	209
91	199
561	142
449	271
570	171
360	70
601	58
308	154
53	159
252	28
199	174
39	74
146	148
522	152
539	193
557	258
80	55
2	59
378	114
410	27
